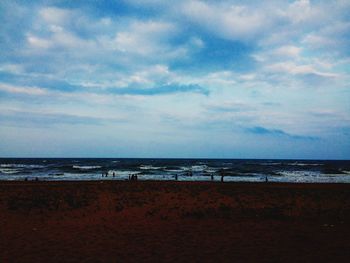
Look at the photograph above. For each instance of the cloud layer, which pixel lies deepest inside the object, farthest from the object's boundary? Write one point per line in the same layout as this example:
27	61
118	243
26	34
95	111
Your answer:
231	78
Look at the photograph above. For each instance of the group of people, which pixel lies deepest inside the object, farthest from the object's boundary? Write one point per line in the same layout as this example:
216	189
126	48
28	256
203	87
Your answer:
106	174
36	179
133	177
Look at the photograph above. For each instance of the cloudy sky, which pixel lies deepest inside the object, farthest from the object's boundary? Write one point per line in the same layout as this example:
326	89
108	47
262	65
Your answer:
151	78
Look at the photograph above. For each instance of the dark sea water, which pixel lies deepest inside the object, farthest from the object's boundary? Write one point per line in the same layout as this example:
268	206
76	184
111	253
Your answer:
166	169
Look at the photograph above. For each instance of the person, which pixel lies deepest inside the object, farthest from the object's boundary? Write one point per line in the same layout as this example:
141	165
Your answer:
26	179
266	180
113	174
176	177
222	175
212	177
36	179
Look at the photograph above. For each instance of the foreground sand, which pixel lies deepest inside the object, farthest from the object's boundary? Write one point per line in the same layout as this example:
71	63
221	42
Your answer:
173	222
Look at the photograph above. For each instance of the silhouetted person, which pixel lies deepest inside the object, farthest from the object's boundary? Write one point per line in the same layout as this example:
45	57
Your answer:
212	177
176	177
222	175
36	179
135	177
266	180
106	174
26	179
113	174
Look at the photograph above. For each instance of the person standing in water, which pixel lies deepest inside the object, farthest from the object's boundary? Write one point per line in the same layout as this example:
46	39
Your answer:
222	175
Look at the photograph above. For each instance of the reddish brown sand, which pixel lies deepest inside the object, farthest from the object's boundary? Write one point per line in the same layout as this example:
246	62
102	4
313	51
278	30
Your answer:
173	222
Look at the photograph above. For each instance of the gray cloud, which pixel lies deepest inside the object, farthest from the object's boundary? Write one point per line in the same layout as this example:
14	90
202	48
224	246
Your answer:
165	89
259	130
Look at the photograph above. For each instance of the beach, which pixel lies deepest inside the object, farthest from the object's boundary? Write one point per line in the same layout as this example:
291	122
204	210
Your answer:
153	221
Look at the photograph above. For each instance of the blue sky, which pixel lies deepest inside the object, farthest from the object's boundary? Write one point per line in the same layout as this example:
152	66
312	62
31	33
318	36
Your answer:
212	79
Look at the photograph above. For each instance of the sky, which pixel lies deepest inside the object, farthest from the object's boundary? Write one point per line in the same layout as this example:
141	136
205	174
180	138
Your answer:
175	79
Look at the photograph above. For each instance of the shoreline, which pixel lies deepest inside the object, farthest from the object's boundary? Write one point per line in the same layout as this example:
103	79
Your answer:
172	221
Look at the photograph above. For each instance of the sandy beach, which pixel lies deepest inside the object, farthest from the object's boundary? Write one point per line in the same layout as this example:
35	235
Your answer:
173	222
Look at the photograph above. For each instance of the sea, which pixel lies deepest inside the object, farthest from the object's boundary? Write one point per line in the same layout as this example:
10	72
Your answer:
228	170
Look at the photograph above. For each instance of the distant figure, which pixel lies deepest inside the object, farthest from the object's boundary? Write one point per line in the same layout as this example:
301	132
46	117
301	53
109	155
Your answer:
132	177
266	180
176	177
212	177
189	173
26	179
113	174
106	174
135	177
102	174
36	179
222	175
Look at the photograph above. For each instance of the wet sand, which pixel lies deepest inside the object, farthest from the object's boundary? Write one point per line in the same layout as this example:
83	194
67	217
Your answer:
173	222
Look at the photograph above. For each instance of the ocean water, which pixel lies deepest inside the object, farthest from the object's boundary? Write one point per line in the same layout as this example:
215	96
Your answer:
56	169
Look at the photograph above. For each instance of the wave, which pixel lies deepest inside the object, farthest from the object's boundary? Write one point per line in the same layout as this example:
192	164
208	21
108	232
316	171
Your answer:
11	165
87	167
305	164
9	171
289	164
150	167
298	173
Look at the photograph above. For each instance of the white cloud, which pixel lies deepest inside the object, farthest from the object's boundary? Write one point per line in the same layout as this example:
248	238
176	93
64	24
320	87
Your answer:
227	21
287	51
38	42
146	38
12	68
333	38
294	69
301	11
33	91
54	15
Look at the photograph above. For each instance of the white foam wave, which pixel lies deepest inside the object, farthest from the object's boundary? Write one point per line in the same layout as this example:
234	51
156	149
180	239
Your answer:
15	165
8	171
198	168
150	167
298	173
305	164
86	167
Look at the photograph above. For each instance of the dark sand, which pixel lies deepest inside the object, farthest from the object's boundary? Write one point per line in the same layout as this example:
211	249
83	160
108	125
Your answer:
173	222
